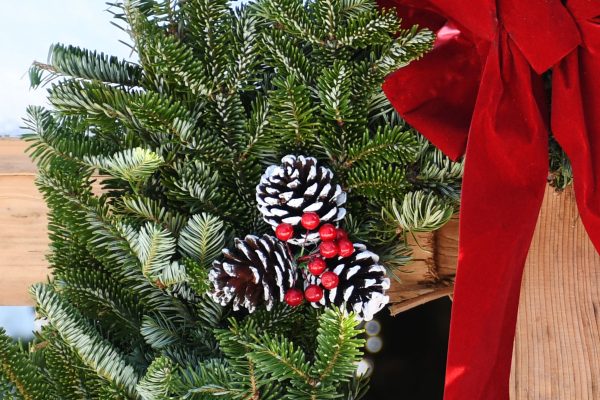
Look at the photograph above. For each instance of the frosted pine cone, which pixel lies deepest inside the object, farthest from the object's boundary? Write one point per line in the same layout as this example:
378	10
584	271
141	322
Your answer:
256	271
298	186
362	283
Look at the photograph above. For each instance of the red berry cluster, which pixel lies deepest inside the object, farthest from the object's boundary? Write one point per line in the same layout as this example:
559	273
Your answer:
334	242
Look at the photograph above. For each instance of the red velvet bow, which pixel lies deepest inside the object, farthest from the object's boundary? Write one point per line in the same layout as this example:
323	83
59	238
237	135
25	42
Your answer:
480	92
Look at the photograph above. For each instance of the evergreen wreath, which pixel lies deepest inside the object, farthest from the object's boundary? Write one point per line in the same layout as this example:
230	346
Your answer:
180	138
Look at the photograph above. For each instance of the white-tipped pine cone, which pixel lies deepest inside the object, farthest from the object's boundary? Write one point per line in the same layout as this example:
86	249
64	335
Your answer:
362	283
298	186
256	271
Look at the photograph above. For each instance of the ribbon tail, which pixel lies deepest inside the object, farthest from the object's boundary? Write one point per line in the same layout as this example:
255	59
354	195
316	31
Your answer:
506	166
576	126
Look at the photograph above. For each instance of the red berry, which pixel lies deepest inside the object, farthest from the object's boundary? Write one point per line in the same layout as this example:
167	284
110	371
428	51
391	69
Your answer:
284	232
310	220
328	249
317	266
313	293
330	280
328	232
341	234
346	248
294	297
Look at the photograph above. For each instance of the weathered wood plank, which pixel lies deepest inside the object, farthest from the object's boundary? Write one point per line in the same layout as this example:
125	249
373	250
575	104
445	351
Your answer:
23	234
13	159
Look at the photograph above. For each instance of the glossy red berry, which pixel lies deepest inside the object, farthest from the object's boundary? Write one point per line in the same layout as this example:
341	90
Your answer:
313	293
328	232
346	248
310	220
317	266
328	249
341	234
330	280
284	232
294	297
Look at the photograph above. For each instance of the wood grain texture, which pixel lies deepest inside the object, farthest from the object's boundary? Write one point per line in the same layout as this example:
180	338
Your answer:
430	274
557	346
23	233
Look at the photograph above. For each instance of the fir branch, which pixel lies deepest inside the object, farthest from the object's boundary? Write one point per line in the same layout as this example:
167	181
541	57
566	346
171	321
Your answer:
159	332
82	63
377	181
292	114
95	351
54	138
286	56
18	370
392	144
290	16
338	348
419	212
369	27
72	379
154	247
151	210
133	165
157	383
210	379
202	239
283	360
410	45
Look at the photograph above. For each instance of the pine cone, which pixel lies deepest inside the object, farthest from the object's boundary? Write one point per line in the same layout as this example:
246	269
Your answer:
362	284
297	186
255	271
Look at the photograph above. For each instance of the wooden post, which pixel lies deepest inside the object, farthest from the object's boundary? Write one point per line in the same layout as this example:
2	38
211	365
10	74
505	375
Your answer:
557	346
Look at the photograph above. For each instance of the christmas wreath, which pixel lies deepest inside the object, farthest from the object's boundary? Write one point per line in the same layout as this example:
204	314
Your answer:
152	296
226	208
150	170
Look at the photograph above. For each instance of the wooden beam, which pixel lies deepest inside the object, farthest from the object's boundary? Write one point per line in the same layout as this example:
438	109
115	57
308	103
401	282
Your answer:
557	345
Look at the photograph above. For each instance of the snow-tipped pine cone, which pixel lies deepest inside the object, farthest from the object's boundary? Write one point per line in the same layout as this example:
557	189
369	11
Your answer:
362	283
297	186
256	271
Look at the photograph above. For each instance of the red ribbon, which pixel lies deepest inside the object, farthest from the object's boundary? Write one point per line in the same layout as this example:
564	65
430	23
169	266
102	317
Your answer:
480	92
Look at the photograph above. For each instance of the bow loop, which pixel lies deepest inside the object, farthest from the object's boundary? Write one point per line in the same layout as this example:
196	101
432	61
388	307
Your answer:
544	30
585	10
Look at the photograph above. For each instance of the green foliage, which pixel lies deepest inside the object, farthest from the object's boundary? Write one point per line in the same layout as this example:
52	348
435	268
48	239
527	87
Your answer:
19	376
133	165
154	248
149	168
419	212
95	351
202	239
561	173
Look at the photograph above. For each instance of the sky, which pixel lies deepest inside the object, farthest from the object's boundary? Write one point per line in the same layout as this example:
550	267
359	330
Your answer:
28	29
